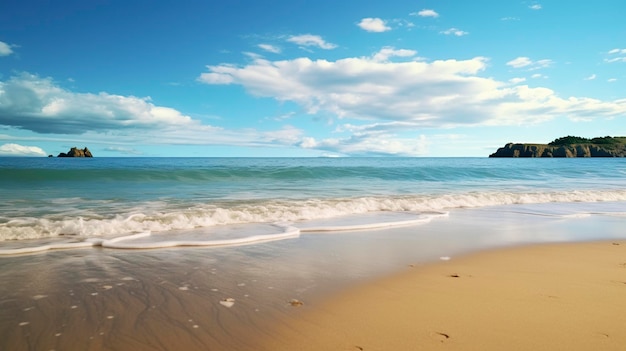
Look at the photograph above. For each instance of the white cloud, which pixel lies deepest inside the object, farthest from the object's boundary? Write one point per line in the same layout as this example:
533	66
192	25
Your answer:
426	13
525	62
616	59
535	7
538	75
123	150
591	77
454	31
373	25
414	94
509	19
370	144
5	49
616	55
517	80
29	102
611	80
311	40
20	150
38	104
385	53
519	62
270	48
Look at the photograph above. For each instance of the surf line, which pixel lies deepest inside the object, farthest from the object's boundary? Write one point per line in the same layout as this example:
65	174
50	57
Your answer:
289	231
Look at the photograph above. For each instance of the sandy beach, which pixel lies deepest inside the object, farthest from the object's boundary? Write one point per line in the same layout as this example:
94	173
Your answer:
541	297
514	280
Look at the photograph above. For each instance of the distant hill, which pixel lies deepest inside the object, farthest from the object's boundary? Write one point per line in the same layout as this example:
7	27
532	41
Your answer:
569	146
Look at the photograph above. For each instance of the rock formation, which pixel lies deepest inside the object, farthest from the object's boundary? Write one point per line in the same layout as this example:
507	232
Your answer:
76	152
572	150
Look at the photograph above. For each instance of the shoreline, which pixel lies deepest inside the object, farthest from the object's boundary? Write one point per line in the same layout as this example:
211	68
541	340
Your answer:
107	299
531	297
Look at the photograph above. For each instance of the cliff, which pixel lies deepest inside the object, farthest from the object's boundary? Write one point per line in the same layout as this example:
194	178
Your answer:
76	152
604	147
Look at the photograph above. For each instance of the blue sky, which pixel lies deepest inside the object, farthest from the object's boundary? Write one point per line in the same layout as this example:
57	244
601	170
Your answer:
307	78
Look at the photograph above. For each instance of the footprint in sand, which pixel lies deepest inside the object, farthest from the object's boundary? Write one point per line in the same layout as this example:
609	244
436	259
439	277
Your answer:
441	337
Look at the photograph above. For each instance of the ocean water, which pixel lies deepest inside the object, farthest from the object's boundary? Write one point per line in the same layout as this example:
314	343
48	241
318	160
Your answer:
51	203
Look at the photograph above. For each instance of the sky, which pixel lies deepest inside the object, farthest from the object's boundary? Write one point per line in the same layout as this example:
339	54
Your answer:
298	78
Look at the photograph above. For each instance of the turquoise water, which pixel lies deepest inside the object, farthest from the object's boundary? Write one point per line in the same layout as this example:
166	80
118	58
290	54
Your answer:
199	200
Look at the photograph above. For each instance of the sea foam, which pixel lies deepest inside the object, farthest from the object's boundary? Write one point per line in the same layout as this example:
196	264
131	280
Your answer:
161	218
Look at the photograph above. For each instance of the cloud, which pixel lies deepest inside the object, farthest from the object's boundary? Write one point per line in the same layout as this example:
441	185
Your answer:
5	49
20	150
426	13
616	55
591	77
454	31
373	25
535	7
123	150
385	53
525	62
611	80
311	40
416	94
366	144
270	48
509	19
29	102
33	103
517	80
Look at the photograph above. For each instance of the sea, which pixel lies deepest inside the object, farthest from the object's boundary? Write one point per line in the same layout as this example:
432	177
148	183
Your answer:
152	203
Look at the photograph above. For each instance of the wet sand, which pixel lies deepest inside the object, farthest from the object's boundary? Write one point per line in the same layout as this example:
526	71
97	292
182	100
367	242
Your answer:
172	299
547	297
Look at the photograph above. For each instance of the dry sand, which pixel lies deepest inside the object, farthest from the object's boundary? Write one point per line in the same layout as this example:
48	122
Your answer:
547	297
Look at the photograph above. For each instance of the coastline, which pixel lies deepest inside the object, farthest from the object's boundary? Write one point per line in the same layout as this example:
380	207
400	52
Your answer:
107	299
535	297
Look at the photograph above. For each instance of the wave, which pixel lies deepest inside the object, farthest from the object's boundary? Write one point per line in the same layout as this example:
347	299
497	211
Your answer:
161	218
282	231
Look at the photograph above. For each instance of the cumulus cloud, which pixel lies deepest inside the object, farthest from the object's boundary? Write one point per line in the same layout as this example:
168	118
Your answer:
441	93
20	150
270	48
30	102
426	13
5	49
527	63
311	40
373	25
454	31
517	80
535	7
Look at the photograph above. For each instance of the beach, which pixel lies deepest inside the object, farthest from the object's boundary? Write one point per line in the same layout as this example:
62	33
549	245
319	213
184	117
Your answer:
538	297
263	253
476	279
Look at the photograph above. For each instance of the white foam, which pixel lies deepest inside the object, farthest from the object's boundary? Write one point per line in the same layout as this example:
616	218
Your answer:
153	218
371	221
130	242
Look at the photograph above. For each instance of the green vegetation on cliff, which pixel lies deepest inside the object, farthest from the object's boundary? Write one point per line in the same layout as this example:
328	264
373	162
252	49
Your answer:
569	146
571	140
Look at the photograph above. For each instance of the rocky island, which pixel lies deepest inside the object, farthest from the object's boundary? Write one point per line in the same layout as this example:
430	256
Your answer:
76	152
569	146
